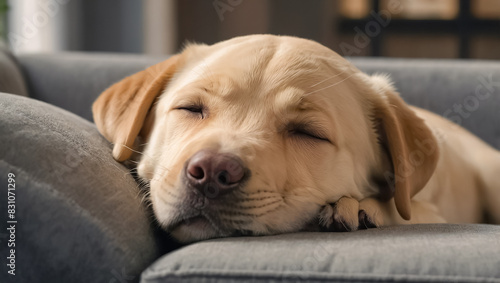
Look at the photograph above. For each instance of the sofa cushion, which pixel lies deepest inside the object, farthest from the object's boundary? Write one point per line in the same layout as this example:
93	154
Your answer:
11	78
79	213
414	253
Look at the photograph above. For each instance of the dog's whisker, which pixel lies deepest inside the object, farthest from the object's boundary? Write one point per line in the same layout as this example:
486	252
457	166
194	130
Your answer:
112	163
257	192
142	181
143	188
147	181
144	154
168	202
128	173
145	185
146	197
271	210
329	86
212	222
250	207
156	178
333	63
253	215
257	198
139	178
327	79
131	149
235	221
169	192
345	226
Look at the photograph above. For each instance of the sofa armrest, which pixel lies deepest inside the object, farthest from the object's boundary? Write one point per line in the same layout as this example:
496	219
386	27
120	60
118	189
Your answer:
79	213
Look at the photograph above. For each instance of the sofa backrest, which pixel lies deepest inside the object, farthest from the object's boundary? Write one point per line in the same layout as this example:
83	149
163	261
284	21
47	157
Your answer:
464	91
73	80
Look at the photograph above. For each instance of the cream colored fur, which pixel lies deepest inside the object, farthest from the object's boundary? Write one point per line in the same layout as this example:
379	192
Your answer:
252	88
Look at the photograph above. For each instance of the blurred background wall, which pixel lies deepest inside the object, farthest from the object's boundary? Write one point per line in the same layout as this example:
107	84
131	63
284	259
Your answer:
392	28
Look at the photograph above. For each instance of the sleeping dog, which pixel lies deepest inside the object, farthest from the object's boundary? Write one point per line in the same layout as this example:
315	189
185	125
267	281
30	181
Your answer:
268	134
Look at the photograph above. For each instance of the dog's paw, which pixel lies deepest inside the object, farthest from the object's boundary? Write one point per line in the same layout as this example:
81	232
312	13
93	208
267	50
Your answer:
347	214
369	214
341	216
365	221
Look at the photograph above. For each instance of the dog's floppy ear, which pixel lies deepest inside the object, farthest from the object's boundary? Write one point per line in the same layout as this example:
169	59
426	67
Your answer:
411	145
120	111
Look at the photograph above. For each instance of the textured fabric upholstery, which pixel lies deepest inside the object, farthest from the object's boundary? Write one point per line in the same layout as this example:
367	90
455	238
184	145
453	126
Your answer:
11	78
80	216
418	253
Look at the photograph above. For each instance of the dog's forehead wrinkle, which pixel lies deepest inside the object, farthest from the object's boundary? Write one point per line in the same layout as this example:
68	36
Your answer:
287	99
234	59
294	106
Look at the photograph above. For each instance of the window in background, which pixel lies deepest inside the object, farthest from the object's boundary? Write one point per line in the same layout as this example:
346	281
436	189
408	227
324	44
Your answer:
486	43
355	9
424	9
130	26
415	36
482	45
486	9
421	45
421	28
42	26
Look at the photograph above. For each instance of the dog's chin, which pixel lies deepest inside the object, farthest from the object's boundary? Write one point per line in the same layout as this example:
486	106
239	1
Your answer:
192	226
200	228
195	229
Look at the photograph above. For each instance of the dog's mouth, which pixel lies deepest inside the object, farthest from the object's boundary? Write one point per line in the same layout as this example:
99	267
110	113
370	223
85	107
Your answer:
197	227
199	224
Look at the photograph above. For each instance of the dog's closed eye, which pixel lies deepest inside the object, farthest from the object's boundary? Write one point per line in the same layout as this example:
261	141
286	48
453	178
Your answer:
195	109
305	132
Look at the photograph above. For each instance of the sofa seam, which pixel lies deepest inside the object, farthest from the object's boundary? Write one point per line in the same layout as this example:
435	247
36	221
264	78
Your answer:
342	277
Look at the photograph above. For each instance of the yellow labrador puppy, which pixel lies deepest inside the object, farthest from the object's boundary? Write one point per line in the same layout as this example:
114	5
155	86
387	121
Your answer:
268	134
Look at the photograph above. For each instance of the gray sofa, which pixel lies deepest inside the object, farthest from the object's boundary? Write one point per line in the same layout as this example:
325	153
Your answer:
80	216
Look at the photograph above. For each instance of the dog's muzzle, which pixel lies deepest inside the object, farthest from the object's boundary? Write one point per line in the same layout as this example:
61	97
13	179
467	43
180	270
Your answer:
214	174
210	180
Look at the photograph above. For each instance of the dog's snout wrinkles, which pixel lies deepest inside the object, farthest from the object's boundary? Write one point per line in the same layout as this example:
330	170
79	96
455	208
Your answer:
213	173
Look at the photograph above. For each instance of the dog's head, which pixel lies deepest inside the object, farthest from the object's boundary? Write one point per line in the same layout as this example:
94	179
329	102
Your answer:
253	135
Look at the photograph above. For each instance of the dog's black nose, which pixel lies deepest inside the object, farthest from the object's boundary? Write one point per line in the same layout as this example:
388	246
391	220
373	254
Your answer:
214	173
